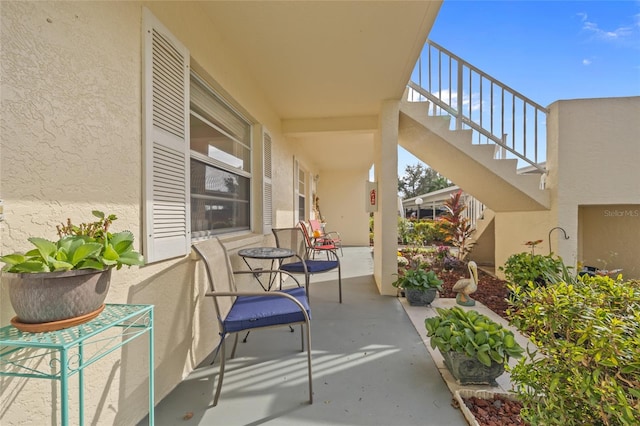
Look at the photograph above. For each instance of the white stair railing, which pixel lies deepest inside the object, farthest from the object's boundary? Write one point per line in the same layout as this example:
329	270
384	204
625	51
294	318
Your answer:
494	112
474	210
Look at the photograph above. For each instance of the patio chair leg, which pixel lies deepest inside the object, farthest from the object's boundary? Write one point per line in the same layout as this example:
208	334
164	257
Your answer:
340	283
302	337
221	373
309	362
217	350
235	345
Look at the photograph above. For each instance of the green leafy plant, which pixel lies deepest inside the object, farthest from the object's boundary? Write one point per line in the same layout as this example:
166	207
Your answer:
522	268
476	335
587	366
84	246
418	279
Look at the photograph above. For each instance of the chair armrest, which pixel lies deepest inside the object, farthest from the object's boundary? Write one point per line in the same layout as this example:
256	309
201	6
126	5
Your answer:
328	234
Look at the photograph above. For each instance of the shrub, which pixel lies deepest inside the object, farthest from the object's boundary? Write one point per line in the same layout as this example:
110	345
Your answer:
522	268
587	368
404	230
428	231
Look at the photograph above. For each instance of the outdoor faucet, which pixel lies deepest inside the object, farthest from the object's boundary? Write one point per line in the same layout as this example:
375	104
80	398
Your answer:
566	237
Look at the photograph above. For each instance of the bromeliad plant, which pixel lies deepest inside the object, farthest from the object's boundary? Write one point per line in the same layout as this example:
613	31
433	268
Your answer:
85	246
476	335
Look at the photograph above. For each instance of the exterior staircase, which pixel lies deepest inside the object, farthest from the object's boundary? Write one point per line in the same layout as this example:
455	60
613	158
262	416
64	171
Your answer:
471	146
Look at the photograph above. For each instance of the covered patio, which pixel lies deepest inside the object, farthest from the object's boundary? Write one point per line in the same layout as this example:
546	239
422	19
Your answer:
370	367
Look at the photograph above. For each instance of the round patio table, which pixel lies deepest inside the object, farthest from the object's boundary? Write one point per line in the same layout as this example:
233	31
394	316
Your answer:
274	254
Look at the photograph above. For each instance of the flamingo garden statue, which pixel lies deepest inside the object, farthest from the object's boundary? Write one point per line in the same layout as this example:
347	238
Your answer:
464	287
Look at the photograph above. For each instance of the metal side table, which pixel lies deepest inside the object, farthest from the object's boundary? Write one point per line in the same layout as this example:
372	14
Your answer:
274	254
72	349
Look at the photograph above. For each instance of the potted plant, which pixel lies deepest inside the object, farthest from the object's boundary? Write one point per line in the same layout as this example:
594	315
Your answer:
419	285
63	283
474	347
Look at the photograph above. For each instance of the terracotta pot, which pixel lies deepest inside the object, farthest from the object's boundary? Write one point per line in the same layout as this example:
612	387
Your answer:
469	371
419	297
55	296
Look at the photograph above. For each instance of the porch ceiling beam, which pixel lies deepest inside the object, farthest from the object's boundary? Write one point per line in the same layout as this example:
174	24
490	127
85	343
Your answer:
301	126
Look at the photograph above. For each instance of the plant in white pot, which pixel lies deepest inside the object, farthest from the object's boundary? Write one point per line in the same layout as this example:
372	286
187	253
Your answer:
474	347
62	283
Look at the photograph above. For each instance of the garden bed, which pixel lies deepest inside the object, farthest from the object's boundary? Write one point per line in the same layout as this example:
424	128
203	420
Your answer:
484	408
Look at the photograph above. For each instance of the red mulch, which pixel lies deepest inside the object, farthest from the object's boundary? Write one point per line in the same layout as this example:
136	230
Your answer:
499	411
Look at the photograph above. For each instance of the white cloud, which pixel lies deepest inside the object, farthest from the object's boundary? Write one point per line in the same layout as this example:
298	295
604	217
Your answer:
620	33
586	62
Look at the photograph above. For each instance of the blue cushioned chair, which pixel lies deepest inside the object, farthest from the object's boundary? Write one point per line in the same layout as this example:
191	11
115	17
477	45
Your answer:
239	311
294	239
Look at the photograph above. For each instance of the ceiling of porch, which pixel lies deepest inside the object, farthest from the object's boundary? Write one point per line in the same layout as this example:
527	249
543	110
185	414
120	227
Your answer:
322	61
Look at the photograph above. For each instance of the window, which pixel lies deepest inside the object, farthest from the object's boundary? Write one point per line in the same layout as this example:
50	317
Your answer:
197	153
220	146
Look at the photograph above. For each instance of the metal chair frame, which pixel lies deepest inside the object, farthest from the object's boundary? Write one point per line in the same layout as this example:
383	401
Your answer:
326	237
212	252
297	240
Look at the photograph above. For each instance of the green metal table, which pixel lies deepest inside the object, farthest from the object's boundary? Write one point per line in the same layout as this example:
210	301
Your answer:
72	349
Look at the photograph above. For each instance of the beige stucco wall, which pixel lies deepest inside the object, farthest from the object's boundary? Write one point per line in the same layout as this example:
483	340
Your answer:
593	153
343	205
609	237
71	142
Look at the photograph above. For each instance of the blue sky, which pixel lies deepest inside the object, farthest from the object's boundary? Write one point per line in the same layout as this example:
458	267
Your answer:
547	50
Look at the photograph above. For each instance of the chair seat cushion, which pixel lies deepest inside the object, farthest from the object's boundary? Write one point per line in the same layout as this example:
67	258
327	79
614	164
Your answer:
324	245
249	312
313	266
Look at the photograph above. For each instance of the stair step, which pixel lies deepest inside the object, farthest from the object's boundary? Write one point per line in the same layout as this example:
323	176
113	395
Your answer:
503	189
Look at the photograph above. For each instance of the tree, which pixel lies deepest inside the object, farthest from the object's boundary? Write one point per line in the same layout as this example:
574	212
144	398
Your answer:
418	180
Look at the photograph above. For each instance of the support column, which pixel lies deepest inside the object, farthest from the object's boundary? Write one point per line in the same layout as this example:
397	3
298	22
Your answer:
385	240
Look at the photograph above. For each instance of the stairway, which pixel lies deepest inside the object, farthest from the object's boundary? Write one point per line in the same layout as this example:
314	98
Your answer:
477	133
495	182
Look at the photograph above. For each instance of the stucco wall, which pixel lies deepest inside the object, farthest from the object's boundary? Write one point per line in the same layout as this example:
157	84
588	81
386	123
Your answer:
342	200
592	155
609	237
71	142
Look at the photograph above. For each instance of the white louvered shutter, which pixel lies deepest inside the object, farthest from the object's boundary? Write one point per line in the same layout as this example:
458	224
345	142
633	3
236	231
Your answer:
166	143
267	189
296	191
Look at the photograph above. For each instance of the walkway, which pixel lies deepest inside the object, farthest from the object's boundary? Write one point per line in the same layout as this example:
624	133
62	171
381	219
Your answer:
370	367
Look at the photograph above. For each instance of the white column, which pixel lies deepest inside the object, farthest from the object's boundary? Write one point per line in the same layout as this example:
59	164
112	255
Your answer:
385	240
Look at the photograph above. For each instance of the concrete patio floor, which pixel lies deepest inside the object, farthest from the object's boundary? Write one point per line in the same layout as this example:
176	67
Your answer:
371	366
